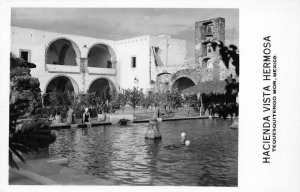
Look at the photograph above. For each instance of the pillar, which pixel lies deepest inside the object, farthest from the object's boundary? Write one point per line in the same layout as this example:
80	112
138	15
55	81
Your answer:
83	71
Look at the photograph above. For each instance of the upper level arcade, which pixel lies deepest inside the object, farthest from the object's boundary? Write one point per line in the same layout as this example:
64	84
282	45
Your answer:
62	55
101	59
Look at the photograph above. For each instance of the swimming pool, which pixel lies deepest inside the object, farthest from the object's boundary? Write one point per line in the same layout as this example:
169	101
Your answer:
123	155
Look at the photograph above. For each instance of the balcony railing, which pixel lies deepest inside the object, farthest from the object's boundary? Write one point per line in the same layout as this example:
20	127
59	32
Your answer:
101	71
76	69
62	68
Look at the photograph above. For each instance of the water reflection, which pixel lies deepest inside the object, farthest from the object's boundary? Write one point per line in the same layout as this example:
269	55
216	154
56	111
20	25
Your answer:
123	155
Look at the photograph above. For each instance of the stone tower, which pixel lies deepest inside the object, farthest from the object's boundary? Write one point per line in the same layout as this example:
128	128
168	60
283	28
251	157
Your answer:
206	32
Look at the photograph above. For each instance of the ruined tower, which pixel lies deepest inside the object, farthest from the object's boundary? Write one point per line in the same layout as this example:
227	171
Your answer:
206	32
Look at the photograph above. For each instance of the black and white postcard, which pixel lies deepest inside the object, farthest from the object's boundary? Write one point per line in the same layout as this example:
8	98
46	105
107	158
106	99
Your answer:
132	95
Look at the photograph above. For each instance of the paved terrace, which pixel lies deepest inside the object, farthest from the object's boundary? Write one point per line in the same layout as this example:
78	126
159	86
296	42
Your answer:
141	116
48	171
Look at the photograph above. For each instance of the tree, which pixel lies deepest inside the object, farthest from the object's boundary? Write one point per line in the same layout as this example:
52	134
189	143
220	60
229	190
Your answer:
99	105
147	101
116	101
229	55
75	103
135	96
85	100
25	97
192	101
173	99
58	100
123	98
160	99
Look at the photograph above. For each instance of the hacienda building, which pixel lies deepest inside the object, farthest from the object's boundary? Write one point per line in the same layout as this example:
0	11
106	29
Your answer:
152	62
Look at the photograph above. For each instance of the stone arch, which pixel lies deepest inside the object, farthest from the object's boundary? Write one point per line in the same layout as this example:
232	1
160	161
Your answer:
62	51
183	82
104	87
64	82
205	61
162	75
183	73
101	55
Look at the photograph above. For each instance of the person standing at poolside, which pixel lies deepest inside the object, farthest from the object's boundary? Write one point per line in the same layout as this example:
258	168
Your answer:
86	118
51	118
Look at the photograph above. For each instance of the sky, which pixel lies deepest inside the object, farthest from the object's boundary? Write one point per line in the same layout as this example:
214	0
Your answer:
122	23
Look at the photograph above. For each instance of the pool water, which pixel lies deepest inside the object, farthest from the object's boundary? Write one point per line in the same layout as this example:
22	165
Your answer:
122	154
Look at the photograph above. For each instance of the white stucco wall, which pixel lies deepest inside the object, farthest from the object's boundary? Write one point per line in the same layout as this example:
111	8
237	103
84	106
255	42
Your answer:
122	76
172	52
37	42
126	49
177	52
161	41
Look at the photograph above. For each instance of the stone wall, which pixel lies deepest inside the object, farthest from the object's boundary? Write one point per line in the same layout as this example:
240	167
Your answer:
218	72
177	52
163	82
206	32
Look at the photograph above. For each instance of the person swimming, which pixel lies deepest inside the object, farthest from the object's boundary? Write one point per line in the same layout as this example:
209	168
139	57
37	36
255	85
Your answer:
187	143
183	135
183	142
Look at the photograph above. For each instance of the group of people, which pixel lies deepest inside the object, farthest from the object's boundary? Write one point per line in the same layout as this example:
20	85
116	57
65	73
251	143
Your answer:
152	132
56	119
86	117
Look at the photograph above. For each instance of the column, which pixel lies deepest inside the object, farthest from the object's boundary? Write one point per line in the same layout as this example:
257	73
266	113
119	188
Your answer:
83	71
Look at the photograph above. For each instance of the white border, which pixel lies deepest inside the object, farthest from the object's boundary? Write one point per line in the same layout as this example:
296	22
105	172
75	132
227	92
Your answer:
259	18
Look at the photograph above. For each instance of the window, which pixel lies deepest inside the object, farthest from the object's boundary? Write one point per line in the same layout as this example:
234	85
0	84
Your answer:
208	28
25	54
209	48
210	64
109	65
133	62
